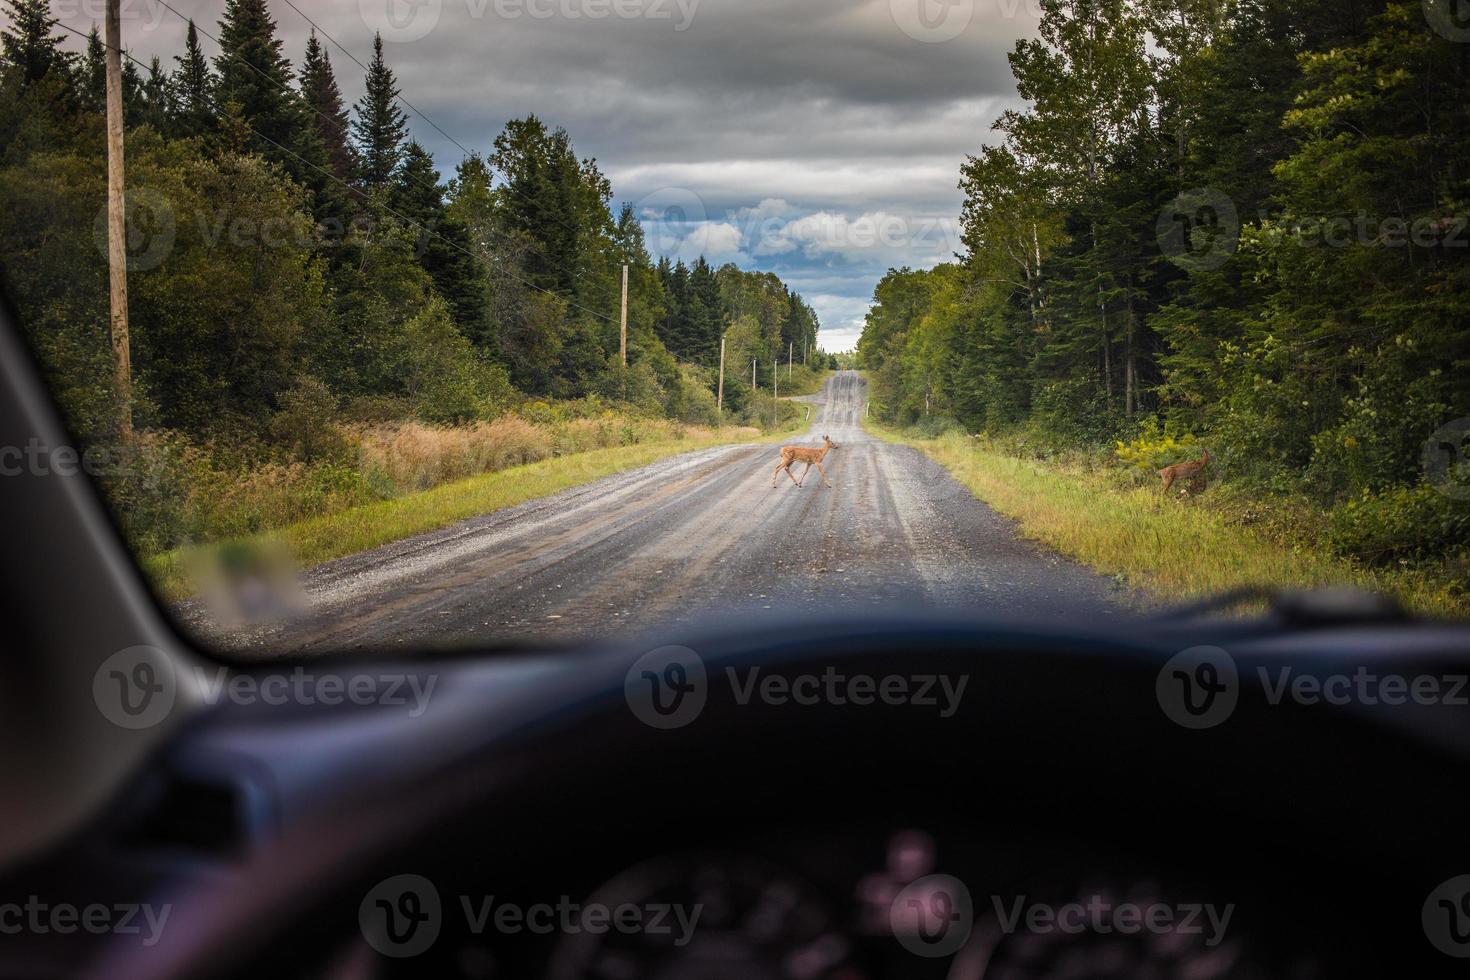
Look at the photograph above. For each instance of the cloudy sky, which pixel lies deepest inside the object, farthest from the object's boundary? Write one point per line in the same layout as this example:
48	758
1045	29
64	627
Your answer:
819	139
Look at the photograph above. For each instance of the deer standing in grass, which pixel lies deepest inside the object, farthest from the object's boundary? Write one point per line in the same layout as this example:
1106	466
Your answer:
1179	471
803	454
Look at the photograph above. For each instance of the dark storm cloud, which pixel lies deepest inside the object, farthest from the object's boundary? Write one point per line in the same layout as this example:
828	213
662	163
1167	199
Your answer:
847	124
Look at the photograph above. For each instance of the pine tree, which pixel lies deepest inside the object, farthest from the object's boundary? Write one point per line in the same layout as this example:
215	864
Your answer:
705	314
93	74
319	88
416	191
132	92
254	74
381	126
443	242
672	328
194	112
156	99
29	47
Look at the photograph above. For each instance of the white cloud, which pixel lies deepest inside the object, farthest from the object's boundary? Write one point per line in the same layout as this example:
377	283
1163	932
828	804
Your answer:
766	210
717	241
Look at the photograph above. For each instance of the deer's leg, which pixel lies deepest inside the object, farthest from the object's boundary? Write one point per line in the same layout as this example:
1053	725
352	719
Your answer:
776	473
804	472
824	475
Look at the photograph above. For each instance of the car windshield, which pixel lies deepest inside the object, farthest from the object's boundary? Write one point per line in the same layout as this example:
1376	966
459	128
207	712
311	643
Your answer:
389	325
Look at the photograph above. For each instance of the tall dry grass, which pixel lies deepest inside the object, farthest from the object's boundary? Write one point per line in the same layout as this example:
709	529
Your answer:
174	493
407	457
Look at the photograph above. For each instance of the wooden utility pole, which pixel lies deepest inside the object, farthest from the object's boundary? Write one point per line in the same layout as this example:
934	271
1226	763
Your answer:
117	232
752	375
790	359
776	392
623	343
720	398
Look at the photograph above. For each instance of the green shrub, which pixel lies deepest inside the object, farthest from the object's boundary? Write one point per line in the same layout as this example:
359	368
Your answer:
150	487
306	423
1076	412
1400	524
934	426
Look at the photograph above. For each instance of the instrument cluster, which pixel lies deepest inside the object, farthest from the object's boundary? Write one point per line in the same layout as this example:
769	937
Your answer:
905	903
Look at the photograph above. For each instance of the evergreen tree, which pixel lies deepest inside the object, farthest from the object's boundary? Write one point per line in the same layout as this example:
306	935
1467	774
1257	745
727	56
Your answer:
156	99
92	75
380	126
416	192
704	315
134	107
29	47
319	88
540	199
253	73
443	242
194	111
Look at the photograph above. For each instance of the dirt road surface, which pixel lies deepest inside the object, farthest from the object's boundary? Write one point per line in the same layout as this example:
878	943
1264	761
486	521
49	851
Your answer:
696	540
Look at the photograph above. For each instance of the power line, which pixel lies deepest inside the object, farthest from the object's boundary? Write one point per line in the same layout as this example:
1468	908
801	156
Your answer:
425	116
413	108
404	218
235	55
435	188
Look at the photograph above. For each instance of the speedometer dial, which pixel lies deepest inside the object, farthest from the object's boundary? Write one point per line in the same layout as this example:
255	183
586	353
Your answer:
732	917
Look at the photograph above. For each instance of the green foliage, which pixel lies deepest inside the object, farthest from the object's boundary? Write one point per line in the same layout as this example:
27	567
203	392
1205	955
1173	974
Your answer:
322	95
1400	525
29	48
306	422
447	379
1076	412
1314	353
273	307
193	88
380	127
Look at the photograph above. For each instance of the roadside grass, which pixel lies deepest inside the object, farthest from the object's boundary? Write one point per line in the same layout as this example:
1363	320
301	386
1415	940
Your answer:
362	528
1168	549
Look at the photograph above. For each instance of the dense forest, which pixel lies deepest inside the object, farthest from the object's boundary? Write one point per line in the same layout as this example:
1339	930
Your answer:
1232	224
296	264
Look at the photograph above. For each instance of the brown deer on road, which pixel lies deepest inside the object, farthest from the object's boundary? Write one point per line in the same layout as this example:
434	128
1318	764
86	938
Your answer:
803	454
1179	471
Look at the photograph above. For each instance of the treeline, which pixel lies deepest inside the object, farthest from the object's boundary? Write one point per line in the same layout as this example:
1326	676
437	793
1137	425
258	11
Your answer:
1238	220
293	259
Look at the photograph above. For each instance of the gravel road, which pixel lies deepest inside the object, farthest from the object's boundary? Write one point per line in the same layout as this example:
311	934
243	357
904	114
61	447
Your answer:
695	539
